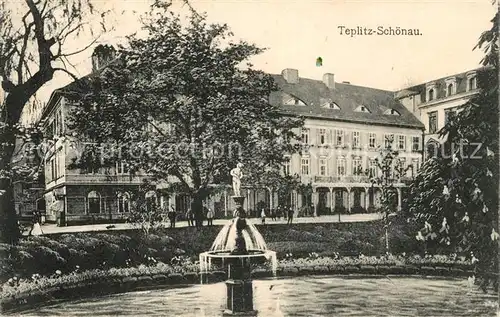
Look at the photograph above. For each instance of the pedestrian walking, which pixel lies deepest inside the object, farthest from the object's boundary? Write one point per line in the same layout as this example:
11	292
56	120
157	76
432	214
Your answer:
290	215
263	216
210	217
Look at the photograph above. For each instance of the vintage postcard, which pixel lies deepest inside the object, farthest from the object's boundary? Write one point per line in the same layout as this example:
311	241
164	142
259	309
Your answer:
249	158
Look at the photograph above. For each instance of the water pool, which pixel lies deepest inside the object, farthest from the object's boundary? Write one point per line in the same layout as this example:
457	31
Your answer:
300	296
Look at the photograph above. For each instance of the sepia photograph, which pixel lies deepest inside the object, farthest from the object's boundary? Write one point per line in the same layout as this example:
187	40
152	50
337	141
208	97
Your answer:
267	158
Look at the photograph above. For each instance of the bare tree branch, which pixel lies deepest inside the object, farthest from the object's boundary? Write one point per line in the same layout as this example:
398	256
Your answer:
76	52
22	53
76	28
67	72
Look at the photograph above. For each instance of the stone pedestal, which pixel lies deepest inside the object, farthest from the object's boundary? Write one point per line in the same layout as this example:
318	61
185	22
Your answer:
239	284
239	298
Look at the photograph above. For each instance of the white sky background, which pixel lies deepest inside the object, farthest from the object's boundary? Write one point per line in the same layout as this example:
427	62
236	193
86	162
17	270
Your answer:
297	32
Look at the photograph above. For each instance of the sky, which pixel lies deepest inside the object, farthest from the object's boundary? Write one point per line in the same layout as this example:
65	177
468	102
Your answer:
296	32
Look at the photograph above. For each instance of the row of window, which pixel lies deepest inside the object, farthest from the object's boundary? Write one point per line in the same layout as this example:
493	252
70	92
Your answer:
55	167
94	201
341	167
55	126
294	101
325	137
451	88
433	119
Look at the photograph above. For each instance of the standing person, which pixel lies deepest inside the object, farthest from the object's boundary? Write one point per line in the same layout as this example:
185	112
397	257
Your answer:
189	217
210	217
172	215
263	216
290	215
273	214
36	229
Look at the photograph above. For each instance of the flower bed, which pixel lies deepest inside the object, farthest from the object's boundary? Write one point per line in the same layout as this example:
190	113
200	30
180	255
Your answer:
18	294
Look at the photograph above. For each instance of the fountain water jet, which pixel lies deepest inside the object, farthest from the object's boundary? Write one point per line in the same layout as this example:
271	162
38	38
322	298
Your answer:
237	245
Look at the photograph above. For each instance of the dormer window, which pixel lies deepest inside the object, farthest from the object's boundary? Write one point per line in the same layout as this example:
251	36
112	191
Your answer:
471	81
392	112
362	109
292	101
431	91
451	84
331	105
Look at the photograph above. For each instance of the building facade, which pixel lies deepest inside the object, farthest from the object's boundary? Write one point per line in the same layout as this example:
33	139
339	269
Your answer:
344	127
434	102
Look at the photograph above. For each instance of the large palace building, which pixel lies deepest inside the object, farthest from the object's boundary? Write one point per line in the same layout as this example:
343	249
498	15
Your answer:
344	126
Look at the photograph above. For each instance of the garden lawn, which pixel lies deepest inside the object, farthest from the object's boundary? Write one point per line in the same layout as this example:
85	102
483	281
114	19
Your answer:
65	253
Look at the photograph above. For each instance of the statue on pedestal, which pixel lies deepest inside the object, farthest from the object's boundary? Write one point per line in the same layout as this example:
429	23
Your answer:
237	175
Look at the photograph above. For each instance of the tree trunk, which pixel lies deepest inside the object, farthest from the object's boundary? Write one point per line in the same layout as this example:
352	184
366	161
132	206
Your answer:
386	232
197	208
9	228
13	107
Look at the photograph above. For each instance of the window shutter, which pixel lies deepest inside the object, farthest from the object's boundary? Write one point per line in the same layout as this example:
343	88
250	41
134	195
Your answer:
347	138
363	140
318	137
329	137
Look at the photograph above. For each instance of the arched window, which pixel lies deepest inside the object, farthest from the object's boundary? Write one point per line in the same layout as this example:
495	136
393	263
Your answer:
431	94
123	202
472	83
450	89
151	200
94	202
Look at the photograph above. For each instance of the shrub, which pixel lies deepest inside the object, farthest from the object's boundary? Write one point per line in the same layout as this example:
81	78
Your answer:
60	248
45	260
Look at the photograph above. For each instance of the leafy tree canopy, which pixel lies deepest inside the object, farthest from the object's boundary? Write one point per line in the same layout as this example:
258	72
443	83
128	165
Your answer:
180	104
455	196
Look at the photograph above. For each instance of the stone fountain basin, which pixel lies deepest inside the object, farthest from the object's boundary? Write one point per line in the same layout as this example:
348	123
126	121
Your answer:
223	257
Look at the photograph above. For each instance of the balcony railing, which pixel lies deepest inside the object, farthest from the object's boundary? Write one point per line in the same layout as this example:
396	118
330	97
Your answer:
353	179
342	179
102	178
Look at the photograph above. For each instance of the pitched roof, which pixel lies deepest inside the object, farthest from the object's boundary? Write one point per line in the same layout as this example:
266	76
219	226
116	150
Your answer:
348	97
79	86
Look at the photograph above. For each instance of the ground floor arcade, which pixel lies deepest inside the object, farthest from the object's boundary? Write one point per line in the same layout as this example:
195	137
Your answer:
83	204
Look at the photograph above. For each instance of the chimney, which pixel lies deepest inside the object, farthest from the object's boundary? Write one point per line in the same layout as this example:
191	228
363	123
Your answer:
103	54
328	80
291	75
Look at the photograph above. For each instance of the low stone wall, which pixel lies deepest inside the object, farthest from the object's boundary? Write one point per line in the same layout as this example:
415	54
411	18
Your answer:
103	286
422	270
114	285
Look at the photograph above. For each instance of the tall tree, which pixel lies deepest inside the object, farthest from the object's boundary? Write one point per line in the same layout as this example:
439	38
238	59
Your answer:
33	37
180	105
455	196
389	172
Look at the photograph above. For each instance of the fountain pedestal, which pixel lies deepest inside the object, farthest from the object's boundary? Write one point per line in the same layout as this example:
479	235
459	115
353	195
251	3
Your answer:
239	284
